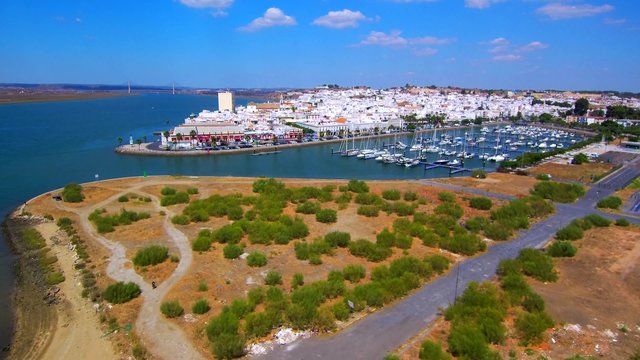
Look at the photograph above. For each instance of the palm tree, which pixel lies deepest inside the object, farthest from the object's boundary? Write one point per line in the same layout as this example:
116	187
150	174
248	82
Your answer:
144	138
119	140
179	138
139	142
193	134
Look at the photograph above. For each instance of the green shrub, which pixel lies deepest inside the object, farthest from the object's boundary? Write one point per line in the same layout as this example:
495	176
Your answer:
479	174
178	198
368	210
403	241
531	326
467	342
579	159
202	286
260	324
201	307
256	259
516	287
297	280
232	251
72	193
167	191
357	186
410	196
308	207
338	238
123	198
537	265
202	242
370	251
622	222
449	209
533	302
327	216
33	240
446	196
476	223
543	177
403	209
430	350
151	255
597	220
273	278
481	203
120	293
231	234
562	249
192	191
367	199
354	272
54	278
570	232
341	311
180	220
391	195
171	309
438	263
558	192
386	238
610	202
228	346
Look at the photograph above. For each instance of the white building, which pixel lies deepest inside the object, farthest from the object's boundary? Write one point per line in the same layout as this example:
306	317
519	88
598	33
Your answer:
226	102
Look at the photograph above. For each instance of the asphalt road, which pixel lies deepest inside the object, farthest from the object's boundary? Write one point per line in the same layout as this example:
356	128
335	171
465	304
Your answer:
382	332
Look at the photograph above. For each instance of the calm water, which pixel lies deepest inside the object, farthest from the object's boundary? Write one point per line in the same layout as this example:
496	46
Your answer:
47	145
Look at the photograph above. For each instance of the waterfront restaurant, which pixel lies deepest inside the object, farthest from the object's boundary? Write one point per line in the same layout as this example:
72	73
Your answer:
190	136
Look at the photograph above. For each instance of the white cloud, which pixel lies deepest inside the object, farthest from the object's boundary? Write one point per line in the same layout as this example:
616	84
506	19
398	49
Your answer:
610	21
340	19
559	11
425	52
202	4
499	41
272	17
382	39
430	40
532	46
507	57
480	4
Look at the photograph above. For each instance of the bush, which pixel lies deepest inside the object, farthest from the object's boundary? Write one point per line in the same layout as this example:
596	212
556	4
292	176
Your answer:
123	198
386	238
151	255
597	220
622	222
353	272
120	293
357	186
192	191
273	278
327	216
438	263
202	286
476	223
341	311
297	280
308	207
72	193
610	202
54	278
200	307
370	251
531	326
171	309
579	159
368	210
449	209
178	198
543	177
33	240
481	203
537	265
228	346
367	199
232	251
391	195
256	259
570	232
338	238
167	191
432	351
479	174
446	196
231	234
558	192
202	242
533	302
562	249
180	220
467	342
410	196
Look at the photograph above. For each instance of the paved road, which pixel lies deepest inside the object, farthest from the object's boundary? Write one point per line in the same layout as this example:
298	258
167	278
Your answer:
384	331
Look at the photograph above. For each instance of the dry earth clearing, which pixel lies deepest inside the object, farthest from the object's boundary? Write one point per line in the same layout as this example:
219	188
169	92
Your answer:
507	184
584	173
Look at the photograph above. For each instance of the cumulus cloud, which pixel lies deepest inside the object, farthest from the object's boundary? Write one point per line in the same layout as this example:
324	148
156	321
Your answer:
394	38
272	17
560	11
533	46
218	6
480	4
507	57
340	19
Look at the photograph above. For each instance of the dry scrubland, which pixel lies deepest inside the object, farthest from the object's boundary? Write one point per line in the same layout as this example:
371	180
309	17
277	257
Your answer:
584	173
496	182
265	216
592	301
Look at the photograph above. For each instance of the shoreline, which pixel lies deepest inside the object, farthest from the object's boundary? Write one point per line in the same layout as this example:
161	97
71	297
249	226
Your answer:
55	97
143	149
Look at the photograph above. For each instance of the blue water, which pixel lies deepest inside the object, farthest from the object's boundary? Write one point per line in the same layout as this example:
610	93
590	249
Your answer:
47	145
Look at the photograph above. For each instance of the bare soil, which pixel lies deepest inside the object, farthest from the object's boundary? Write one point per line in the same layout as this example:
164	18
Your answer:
584	173
507	184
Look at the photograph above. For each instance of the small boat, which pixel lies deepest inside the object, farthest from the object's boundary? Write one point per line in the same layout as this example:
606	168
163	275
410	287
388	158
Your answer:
454	162
441	161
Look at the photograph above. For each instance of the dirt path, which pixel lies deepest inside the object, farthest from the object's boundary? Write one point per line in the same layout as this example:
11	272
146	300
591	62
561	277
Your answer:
162	338
76	334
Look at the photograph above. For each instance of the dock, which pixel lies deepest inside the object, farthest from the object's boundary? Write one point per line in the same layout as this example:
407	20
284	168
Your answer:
453	169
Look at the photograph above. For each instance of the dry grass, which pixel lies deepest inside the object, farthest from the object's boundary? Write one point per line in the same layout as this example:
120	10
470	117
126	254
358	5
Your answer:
583	173
507	184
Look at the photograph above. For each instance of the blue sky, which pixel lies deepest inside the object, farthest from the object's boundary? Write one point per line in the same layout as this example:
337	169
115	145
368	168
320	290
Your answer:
510	44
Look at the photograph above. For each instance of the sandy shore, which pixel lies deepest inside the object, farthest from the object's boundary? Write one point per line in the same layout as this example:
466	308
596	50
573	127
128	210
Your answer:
13	97
68	329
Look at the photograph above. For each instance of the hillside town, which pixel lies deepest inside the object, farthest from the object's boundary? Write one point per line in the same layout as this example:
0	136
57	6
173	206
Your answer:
324	112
